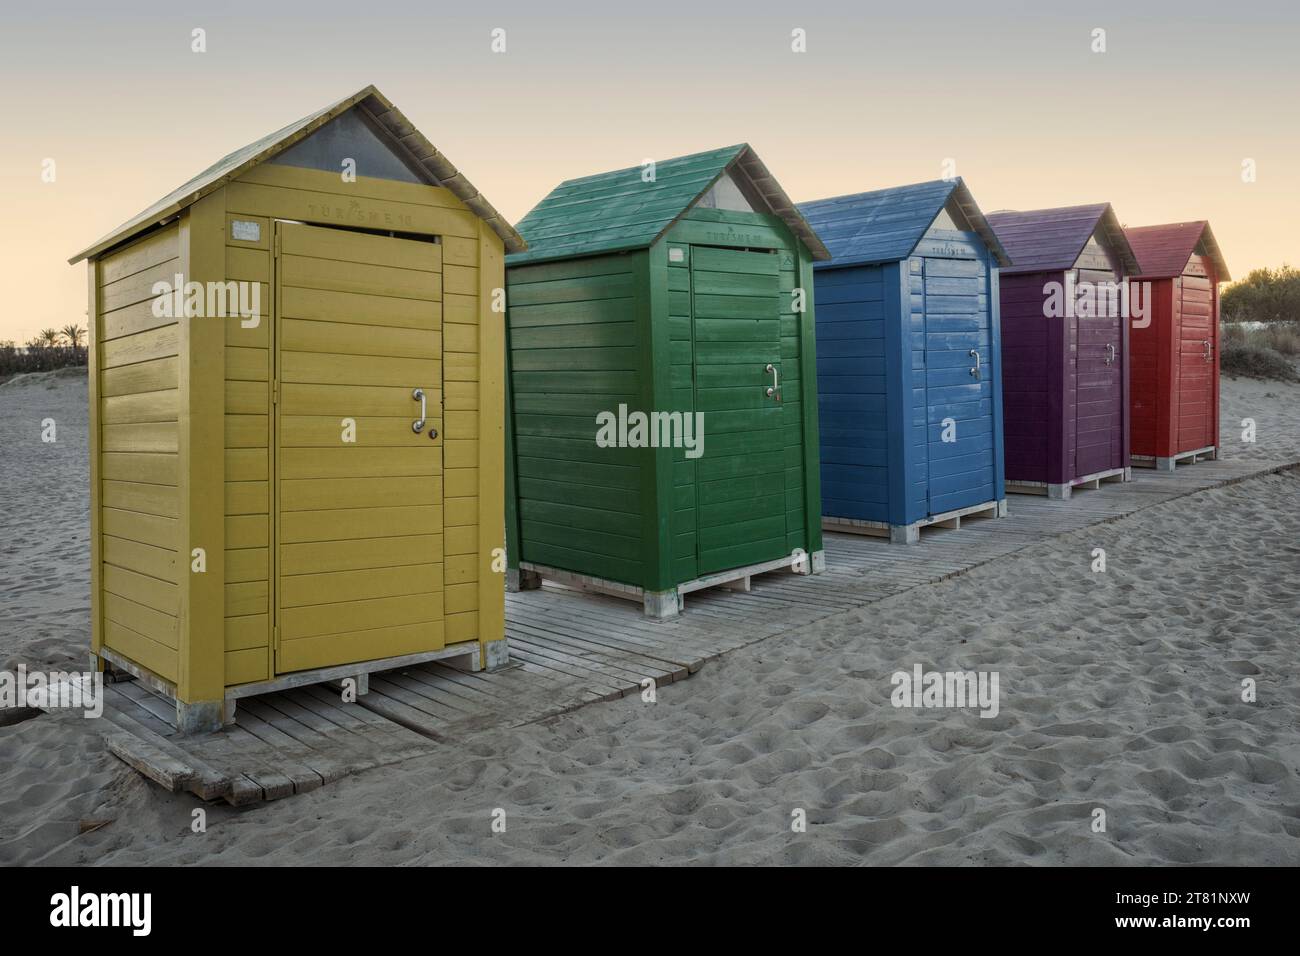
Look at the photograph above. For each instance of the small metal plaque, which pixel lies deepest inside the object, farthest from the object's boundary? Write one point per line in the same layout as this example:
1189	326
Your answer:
245	231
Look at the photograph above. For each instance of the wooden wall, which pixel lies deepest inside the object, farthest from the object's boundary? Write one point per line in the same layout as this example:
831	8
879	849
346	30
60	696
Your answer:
135	501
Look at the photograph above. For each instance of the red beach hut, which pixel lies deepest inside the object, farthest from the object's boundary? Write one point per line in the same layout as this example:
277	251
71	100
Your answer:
1175	377
1065	350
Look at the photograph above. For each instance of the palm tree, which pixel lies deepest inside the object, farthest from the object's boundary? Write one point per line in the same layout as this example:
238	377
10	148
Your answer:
48	338
73	333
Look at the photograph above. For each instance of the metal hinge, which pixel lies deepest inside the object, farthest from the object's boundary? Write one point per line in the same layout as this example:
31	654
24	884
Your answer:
275	391
275	637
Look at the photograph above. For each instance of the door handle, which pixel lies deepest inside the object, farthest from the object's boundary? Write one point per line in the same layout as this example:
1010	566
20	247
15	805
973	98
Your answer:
975	372
774	390
1209	348
1111	359
417	426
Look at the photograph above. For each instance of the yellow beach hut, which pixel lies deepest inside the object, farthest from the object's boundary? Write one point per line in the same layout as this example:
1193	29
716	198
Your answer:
296	407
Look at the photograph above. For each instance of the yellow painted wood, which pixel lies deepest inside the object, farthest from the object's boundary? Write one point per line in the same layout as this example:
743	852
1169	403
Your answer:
462	338
158	531
463	425
248	365
150	250
131	319
461	483
461	511
317	180
247	431
249	265
247	398
461	540
136	496
243	633
151	469
370	615
201	672
326	306
143	558
158	658
298	335
371	400
160	406
138	287
460	396
354	248
327	431
247	464
460	569
303	590
360	645
358	553
317	368
460	280
247	564
143	589
251	332
145	437
460	367
95	383
461	597
460	454
248	531
248	497
464	627
156	343
158	375
249	597
344	523
245	666
154	625
363	278
458	251
319	494
375	463
349	210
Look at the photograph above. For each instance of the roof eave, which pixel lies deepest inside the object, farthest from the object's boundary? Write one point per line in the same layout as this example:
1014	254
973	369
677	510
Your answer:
778	201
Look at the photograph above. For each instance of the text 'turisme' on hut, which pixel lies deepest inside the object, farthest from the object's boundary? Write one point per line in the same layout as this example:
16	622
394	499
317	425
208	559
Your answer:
1175	392
662	402
1065	348
908	374
296	404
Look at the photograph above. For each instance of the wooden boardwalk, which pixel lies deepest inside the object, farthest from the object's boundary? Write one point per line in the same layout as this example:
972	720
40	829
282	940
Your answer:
569	649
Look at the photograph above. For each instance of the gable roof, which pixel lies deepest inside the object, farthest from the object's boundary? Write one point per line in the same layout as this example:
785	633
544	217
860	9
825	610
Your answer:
885	225
618	211
1044	240
422	154
1162	251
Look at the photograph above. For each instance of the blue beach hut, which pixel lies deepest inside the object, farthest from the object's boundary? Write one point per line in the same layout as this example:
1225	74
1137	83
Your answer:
908	365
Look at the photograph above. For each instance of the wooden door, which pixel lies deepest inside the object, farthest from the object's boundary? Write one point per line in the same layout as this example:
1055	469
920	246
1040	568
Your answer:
1099	394
359	501
959	366
1196	351
740	478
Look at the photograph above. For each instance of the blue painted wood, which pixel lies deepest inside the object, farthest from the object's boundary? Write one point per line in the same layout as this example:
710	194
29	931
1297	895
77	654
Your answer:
896	320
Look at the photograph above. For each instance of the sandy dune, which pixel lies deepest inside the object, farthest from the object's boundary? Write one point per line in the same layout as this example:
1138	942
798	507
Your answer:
1120	691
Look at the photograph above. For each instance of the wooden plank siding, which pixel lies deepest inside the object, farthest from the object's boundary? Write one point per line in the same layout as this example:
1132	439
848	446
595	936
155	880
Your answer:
575	350
136	565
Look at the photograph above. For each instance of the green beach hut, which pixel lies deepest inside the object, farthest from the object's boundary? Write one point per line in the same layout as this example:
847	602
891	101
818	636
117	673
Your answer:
661	386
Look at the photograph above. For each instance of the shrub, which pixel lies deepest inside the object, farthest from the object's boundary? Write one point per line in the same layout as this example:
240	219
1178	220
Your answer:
1265	295
16	361
1255	361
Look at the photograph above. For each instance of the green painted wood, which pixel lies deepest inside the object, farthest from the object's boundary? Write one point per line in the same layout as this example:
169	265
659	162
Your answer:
617	210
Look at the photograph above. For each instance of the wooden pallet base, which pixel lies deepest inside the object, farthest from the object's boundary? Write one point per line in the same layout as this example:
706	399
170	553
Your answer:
911	533
1060	492
1209	453
662	605
190	718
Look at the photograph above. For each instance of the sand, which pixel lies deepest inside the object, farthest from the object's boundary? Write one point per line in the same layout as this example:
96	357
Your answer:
1121	691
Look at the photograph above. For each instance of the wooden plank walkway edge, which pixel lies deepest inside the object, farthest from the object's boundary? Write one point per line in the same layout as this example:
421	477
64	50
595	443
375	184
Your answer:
569	649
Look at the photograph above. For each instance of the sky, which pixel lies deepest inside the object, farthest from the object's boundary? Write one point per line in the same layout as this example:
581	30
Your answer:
1011	95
